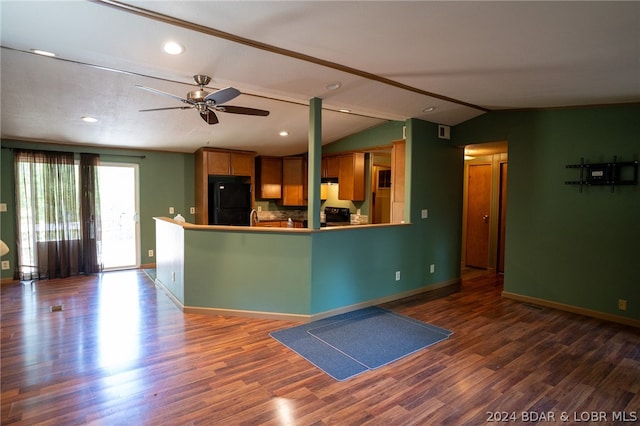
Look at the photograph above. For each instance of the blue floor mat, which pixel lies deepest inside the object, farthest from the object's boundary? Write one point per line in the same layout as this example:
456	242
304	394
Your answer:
349	344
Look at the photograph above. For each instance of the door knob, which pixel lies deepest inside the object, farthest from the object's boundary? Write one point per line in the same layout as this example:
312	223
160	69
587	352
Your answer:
485	218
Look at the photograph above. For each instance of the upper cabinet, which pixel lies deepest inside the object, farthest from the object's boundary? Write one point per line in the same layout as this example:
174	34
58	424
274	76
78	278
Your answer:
330	166
226	163
294	178
212	162
351	177
398	153
269	178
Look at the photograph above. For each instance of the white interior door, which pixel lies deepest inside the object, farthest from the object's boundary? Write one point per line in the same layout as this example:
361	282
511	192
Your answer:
119	215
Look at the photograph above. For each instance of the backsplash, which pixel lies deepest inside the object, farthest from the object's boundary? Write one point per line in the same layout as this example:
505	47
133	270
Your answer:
282	215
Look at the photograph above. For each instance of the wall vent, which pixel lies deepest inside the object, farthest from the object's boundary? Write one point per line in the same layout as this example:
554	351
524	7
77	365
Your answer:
444	132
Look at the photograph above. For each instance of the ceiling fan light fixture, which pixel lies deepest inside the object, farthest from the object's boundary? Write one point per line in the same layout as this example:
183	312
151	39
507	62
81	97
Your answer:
43	52
172	48
334	86
88	119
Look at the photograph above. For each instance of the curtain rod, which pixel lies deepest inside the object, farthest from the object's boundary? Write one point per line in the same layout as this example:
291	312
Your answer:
83	152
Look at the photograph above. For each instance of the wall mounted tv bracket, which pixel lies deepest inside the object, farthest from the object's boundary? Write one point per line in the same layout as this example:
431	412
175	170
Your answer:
614	173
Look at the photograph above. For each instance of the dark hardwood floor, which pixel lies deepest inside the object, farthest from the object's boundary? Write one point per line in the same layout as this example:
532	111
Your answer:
120	353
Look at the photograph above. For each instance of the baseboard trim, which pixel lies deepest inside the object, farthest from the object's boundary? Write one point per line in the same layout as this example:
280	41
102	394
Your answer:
248	314
385	299
573	309
5	281
303	318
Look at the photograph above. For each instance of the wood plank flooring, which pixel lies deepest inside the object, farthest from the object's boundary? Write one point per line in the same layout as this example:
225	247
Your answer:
121	353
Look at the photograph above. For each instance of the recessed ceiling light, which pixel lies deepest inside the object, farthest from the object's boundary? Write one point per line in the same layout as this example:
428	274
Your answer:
334	86
344	110
89	119
429	109
172	48
284	133
43	52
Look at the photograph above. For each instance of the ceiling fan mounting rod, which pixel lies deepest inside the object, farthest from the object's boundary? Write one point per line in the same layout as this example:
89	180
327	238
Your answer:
201	80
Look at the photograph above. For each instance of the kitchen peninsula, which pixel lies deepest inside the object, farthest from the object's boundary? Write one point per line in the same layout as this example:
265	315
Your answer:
296	274
303	274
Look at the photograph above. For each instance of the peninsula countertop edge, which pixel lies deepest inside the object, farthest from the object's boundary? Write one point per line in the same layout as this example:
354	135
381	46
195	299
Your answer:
192	226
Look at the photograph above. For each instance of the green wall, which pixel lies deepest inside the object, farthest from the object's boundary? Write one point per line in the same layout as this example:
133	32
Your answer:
351	266
377	136
166	180
255	271
579	249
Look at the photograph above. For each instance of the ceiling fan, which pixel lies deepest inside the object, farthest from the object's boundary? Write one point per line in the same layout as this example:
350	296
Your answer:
207	103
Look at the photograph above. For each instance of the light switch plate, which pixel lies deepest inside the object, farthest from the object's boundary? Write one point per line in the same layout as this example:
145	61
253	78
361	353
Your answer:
425	213
6	265
3	207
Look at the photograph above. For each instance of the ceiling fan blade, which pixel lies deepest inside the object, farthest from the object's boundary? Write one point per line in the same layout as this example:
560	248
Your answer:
242	110
209	116
222	96
162	109
160	92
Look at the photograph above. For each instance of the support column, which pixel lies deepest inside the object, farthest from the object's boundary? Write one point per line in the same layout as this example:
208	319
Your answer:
314	163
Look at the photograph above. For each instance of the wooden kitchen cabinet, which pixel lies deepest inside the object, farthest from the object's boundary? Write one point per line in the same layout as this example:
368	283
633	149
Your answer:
330	166
269	178
211	162
293	181
225	163
397	181
351	177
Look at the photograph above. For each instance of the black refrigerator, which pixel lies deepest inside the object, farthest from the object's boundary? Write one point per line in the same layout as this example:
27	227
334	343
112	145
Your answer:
229	203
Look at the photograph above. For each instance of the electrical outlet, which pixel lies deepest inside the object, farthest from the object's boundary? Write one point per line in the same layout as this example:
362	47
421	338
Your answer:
259	209
192	210
150	253
622	304
3	207
425	213
432	268
397	275
172	210
6	265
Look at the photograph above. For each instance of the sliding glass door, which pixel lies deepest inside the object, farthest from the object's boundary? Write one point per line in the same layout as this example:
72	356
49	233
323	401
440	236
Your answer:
119	215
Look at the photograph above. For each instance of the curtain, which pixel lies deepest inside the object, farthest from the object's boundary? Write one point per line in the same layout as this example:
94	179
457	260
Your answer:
91	229
50	240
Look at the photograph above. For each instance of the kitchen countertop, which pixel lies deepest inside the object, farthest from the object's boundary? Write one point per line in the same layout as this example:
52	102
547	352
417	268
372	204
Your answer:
192	226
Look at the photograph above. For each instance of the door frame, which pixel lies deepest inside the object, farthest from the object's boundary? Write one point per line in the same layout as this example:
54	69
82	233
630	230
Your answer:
136	176
495	154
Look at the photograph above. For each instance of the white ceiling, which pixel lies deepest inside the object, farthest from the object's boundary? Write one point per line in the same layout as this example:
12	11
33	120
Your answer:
393	59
